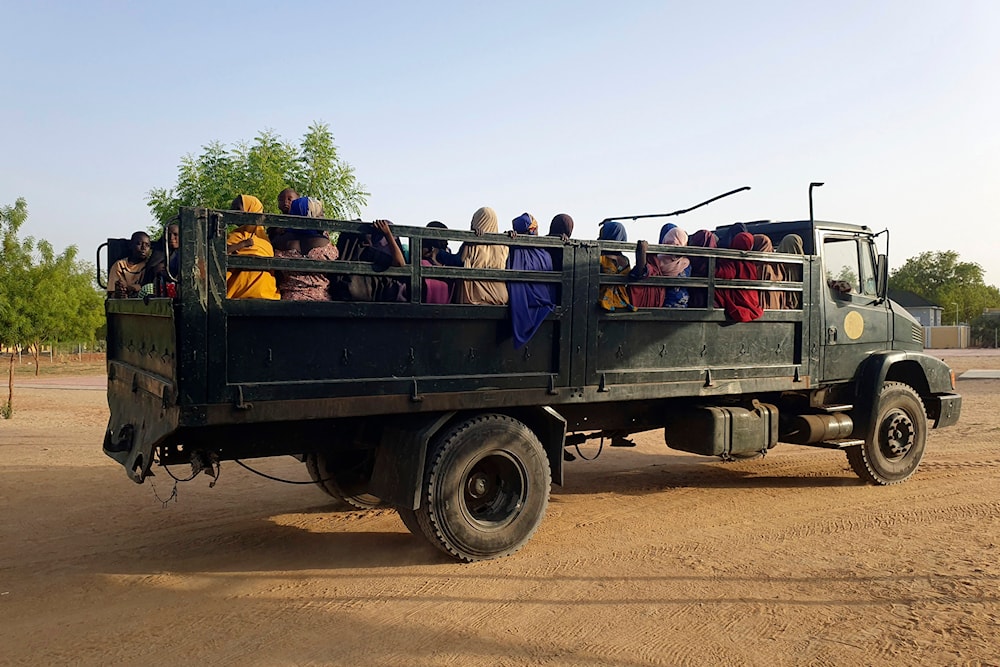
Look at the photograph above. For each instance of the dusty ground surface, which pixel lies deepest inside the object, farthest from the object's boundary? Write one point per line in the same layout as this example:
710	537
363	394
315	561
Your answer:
646	557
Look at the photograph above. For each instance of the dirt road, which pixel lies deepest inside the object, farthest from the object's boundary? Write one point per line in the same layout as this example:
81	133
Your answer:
646	557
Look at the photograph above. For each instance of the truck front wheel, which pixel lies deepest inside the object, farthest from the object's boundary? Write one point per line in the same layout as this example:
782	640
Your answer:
485	489
896	439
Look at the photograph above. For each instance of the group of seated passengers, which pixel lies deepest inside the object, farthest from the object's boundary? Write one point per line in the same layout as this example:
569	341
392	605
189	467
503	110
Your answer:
530	301
146	267
739	304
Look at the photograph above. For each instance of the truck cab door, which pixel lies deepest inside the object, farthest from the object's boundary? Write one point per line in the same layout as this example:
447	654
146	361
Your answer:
856	320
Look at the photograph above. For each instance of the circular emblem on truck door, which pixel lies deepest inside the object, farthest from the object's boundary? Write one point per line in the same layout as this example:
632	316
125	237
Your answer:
854	325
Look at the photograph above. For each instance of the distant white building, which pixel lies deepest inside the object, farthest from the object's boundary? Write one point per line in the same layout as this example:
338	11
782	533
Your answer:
927	313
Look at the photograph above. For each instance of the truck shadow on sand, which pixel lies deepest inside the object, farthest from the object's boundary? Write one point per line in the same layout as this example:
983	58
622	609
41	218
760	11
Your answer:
697	472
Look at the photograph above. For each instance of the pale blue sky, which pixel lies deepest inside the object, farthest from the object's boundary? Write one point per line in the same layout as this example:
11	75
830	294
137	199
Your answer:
589	108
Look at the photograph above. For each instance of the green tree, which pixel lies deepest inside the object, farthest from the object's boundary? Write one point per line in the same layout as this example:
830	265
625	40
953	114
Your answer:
13	279
45	297
986	329
942	278
263	168
64	304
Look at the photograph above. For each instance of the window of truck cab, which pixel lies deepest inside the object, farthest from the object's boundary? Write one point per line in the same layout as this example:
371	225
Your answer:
850	259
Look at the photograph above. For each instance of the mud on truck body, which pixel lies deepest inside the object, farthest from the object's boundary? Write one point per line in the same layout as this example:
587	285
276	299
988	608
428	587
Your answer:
429	409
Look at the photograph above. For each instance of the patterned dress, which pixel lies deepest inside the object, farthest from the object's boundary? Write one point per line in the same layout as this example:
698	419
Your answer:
615	297
306	286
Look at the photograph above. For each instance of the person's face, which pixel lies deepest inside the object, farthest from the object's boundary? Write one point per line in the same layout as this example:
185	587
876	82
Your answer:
174	237
285	200
141	247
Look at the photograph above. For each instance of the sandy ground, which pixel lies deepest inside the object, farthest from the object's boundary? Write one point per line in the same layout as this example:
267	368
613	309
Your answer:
646	557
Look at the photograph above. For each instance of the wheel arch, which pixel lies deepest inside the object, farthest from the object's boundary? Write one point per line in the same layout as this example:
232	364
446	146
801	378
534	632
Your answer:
925	374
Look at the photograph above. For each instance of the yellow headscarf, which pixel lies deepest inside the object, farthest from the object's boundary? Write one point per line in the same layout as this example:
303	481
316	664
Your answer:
251	284
250	204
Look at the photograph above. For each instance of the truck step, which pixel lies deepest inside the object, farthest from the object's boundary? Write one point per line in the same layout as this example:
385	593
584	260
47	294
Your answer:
840	443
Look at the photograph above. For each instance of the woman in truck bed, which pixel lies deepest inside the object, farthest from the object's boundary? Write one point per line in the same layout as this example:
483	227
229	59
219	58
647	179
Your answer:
741	305
304	244
703	238
613	262
381	249
665	266
250	240
530	303
792	244
483	256
770	271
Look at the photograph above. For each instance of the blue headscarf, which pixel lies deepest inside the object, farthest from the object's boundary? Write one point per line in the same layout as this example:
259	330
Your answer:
309	208
664	229
613	231
525	224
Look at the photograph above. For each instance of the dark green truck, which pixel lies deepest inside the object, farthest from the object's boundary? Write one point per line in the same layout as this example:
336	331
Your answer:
430	410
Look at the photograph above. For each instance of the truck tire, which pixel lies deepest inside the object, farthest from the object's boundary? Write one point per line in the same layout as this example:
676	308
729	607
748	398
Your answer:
410	520
896	440
485	489
342	481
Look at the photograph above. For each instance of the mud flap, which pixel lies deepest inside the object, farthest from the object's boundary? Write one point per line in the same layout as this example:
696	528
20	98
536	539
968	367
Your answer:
402	453
142	417
120	445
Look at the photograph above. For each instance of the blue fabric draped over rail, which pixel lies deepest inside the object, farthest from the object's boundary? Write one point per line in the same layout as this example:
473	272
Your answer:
530	303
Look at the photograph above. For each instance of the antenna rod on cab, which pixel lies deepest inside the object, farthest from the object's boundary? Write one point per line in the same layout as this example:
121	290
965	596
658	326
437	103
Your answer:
681	212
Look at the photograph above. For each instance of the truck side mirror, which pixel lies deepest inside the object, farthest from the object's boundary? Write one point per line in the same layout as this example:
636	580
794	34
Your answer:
882	276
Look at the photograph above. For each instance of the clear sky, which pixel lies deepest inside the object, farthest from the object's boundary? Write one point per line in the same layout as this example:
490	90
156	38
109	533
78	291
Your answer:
595	109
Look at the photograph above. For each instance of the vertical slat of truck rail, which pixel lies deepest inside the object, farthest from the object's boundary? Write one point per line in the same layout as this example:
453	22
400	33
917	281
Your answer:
812	294
416	283
813	300
192	333
217	346
588	314
566	328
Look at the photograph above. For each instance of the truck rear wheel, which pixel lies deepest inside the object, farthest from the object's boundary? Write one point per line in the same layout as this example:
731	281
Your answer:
343	478
485	490
896	439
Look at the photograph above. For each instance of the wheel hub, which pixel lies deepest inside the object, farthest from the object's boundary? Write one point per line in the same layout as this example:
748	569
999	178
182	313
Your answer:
494	490
478	485
897	434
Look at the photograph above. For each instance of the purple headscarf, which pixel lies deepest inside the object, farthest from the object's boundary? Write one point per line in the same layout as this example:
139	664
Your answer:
530	303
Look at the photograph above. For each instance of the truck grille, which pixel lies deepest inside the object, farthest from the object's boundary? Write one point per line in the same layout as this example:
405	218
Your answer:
918	334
